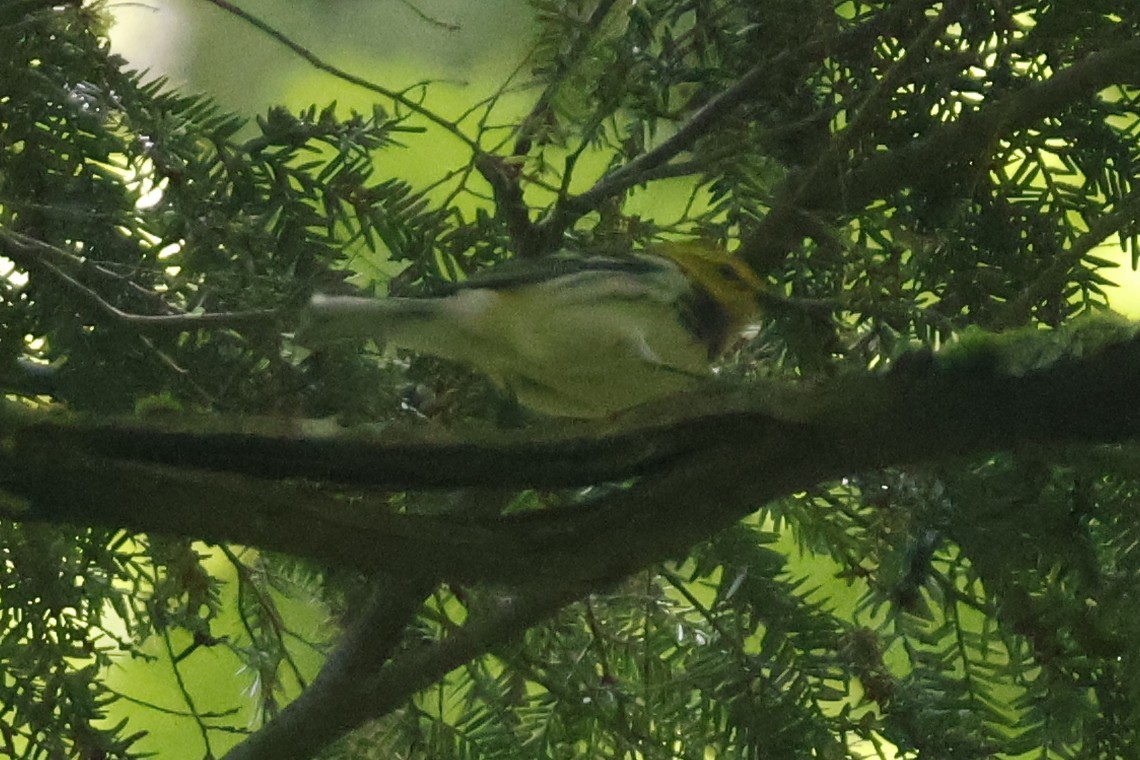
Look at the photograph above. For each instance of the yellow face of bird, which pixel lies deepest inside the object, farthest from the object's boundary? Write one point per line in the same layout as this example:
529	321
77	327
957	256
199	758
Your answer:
726	278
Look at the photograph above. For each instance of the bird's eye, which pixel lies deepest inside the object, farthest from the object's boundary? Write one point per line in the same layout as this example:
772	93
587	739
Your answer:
728	272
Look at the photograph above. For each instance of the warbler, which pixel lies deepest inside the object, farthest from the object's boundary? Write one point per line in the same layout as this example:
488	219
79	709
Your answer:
568	335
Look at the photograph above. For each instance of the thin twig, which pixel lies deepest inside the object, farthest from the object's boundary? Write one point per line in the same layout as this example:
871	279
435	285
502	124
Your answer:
184	691
163	710
341	698
800	185
320	64
538	113
959	141
678	583
696	127
450	26
268	607
17	246
1016	310
870	112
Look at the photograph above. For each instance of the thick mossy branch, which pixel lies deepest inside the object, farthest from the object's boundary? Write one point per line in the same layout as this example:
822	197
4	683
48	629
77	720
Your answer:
984	396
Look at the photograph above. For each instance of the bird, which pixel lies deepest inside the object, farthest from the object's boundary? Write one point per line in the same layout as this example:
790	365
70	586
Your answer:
568	334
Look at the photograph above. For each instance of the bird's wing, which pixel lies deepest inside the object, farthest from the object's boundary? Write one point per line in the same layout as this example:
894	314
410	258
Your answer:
516	273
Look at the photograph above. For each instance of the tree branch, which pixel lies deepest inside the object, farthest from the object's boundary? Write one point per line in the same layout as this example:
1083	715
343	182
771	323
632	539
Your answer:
541	110
972	401
655	163
342	698
825	187
635	171
36	254
321	65
1016	311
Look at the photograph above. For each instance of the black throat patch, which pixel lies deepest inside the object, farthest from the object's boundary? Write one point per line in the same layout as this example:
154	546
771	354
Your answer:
703	316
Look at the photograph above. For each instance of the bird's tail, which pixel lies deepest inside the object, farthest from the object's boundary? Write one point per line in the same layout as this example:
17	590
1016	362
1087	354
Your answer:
332	318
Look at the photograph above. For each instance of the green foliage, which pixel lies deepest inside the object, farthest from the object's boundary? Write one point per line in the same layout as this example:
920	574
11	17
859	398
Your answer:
981	608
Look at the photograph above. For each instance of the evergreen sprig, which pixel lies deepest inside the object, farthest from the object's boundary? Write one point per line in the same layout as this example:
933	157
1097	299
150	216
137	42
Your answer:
929	169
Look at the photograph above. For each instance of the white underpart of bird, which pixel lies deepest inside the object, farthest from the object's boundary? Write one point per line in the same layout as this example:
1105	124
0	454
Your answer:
584	344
